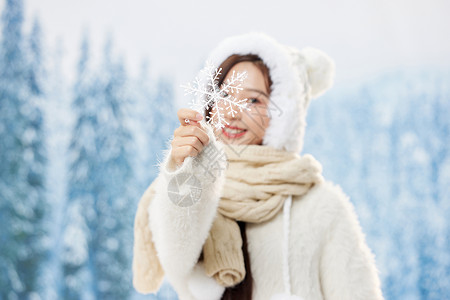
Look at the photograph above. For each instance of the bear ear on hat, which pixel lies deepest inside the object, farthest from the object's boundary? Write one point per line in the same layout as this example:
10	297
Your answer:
320	68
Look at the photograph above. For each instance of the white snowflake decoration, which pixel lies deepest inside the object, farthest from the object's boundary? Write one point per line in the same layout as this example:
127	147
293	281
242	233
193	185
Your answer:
209	94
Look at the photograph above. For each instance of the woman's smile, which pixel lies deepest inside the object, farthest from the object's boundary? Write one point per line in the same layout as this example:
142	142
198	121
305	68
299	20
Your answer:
233	132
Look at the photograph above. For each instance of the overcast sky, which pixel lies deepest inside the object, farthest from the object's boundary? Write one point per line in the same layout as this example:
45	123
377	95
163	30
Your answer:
363	36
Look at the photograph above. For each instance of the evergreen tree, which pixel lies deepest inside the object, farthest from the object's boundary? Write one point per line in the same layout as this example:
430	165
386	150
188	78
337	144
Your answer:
100	185
163	119
58	118
141	91
111	229
80	203
22	173
163	122
155	120
36	144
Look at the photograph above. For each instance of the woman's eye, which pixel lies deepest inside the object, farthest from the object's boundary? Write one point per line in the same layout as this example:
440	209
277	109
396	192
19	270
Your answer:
224	95
253	101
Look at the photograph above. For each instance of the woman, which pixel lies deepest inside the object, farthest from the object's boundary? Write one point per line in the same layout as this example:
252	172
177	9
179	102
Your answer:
262	223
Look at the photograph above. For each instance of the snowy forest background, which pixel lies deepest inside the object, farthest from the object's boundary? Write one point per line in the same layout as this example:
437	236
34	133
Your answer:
76	156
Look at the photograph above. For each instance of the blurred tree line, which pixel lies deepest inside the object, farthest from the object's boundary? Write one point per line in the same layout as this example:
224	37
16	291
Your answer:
75	158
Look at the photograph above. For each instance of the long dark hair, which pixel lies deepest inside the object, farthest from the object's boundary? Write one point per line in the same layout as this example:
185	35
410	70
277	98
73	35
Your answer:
243	290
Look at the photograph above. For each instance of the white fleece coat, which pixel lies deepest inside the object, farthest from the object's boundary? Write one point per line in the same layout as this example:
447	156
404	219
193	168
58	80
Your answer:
328	256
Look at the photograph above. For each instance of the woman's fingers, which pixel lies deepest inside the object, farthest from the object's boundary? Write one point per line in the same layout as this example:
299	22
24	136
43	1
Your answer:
191	130
188	141
180	153
190	138
188	116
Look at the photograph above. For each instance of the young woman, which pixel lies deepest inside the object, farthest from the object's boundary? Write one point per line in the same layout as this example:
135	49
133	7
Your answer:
258	222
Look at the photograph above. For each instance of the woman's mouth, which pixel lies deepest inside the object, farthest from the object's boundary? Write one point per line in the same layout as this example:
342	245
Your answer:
233	132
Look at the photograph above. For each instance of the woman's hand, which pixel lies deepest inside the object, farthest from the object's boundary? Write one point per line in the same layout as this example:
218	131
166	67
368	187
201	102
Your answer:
190	138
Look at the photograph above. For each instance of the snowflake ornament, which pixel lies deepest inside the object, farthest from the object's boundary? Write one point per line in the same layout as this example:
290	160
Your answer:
208	94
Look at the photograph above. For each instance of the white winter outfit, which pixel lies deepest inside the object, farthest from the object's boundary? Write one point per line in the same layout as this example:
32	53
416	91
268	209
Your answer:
311	248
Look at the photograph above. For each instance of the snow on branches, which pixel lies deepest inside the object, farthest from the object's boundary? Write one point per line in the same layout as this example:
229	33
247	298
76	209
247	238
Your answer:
208	94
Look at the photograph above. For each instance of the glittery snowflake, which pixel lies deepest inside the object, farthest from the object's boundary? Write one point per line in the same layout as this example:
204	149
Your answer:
208	94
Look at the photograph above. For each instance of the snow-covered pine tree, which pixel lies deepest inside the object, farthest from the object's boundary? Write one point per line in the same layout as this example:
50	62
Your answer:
22	173
80	204
141	111
163	119
100	185
110	247
154	119
57	123
36	138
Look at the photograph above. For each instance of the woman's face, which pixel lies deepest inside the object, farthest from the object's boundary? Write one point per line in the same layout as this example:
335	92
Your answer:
247	127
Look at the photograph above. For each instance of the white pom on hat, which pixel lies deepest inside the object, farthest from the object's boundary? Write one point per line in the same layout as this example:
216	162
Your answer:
320	68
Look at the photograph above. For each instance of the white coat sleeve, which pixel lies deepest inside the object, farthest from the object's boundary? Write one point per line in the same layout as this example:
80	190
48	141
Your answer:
347	268
182	211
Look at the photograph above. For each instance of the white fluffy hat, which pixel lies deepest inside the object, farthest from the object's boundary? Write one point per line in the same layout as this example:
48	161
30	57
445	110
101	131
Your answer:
297	77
